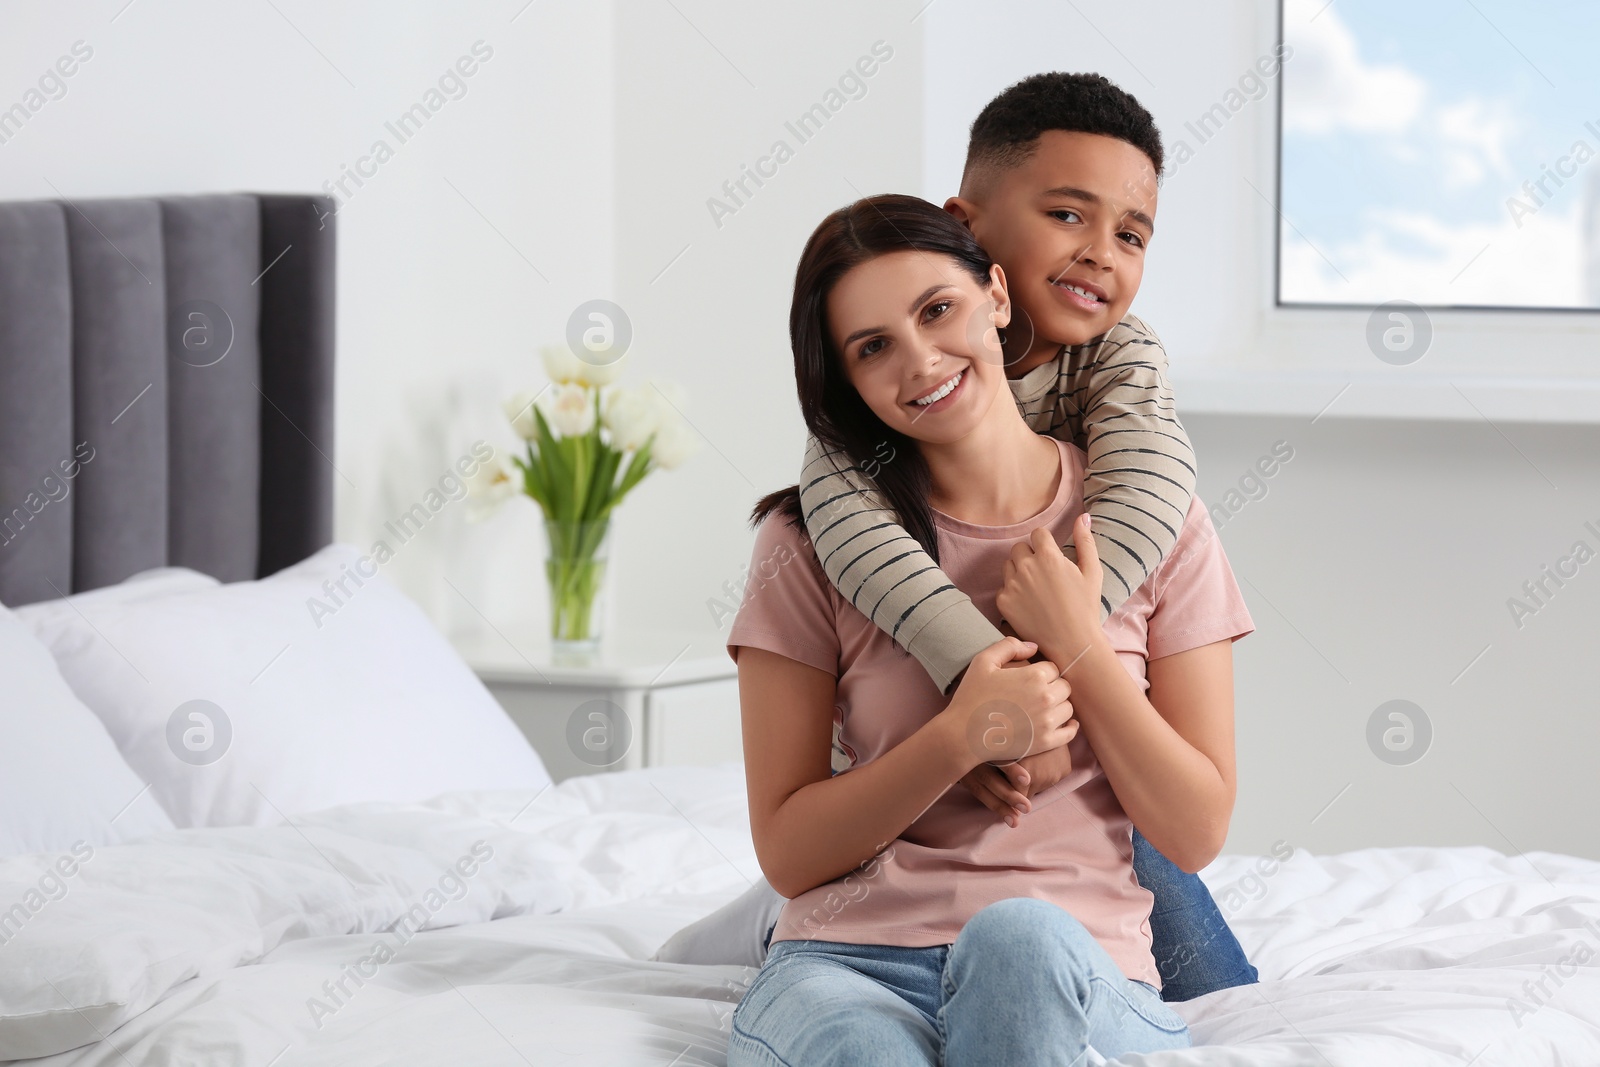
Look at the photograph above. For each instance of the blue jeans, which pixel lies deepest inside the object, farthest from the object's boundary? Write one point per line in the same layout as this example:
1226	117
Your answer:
1195	950
1023	984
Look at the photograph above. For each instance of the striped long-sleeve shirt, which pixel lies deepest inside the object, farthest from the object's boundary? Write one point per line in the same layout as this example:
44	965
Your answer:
1110	397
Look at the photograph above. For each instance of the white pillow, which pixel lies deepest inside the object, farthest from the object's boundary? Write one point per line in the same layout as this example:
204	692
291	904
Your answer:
734	933
146	585
62	783
317	686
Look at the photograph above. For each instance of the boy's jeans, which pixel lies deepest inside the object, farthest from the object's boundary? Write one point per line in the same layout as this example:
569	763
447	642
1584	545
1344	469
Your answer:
1195	950
1023	984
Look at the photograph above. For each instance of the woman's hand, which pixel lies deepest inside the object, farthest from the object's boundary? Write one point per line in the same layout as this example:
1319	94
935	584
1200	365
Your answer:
1048	598
1008	789
1006	708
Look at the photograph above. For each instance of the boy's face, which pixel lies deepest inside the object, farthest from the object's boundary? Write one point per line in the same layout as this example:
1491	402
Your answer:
1080	212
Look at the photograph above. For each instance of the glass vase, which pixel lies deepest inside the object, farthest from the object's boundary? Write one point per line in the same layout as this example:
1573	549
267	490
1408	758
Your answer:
576	554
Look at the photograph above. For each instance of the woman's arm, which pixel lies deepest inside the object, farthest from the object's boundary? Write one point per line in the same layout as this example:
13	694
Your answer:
1173	768
811	827
1168	757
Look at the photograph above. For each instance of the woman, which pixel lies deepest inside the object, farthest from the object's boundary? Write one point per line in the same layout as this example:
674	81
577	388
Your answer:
921	927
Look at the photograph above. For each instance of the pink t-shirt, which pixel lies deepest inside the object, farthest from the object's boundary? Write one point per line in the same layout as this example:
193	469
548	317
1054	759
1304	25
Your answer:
1075	847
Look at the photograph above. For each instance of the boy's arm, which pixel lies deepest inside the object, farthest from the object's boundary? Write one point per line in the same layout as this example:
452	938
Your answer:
1140	473
881	569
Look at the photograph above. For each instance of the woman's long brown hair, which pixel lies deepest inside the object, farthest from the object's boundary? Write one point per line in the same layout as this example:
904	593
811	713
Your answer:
833	411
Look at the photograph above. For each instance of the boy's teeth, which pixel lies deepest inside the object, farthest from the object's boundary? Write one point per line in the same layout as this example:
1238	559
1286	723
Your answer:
940	394
1081	292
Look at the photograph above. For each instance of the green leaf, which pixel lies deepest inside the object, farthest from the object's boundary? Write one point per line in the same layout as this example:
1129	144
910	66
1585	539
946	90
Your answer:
575	478
537	483
579	454
601	503
637	469
557	473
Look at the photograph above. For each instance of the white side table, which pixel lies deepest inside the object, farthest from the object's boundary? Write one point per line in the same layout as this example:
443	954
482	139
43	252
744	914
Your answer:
646	698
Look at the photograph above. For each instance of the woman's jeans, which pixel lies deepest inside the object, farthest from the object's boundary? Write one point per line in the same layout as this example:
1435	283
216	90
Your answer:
1023	984
1195	951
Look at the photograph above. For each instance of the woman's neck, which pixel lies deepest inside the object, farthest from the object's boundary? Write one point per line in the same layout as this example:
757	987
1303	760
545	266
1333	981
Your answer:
1000	474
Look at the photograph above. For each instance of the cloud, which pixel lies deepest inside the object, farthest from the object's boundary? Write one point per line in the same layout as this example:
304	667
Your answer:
1329	87
1419	257
1474	134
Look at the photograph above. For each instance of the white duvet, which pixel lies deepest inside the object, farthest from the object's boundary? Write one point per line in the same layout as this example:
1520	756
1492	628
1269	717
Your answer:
511	928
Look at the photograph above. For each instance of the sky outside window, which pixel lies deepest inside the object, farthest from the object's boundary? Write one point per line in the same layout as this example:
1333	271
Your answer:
1445	152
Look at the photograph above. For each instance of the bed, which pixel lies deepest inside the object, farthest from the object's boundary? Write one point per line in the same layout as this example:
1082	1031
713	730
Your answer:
311	873
1382	956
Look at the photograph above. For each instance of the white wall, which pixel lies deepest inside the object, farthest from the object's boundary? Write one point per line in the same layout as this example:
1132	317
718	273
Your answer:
591	142
691	111
438	313
1378	565
1378	562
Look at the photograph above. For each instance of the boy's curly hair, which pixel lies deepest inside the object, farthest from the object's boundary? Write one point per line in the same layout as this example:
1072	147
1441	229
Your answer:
1007	130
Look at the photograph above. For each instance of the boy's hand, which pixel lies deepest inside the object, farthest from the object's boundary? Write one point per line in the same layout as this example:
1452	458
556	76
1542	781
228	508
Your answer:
1007	708
1007	790
1051	599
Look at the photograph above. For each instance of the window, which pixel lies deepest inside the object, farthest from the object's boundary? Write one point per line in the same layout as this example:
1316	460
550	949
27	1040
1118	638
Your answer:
1442	152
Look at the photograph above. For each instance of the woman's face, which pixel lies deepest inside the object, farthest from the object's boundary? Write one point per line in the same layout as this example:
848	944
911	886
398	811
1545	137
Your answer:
910	326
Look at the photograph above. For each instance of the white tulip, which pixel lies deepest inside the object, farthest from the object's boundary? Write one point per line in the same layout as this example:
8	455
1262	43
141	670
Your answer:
570	409
598	374
491	485
675	442
631	415
519	409
560	364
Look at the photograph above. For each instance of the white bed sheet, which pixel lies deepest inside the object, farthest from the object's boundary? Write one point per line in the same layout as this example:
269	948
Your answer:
1381	956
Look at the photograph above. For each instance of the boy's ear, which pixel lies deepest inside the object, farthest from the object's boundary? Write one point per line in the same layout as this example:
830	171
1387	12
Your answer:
963	209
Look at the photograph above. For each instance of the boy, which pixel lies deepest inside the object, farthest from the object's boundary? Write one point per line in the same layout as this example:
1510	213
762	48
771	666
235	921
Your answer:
1060	188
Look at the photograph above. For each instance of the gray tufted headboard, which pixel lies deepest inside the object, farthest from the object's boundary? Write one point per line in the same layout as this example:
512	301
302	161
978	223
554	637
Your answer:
166	388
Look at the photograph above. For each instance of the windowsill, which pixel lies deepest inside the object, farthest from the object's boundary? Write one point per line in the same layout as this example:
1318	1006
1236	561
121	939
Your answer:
1331	395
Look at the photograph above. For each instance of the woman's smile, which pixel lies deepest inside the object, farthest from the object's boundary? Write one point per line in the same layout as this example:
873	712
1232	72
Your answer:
941	396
